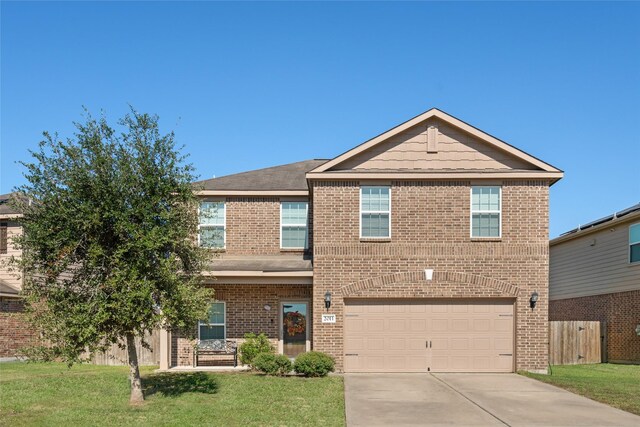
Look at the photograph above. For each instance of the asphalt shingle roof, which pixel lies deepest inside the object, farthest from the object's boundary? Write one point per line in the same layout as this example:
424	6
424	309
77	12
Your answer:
5	208
285	177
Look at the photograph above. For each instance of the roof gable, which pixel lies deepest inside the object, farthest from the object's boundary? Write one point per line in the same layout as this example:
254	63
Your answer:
434	140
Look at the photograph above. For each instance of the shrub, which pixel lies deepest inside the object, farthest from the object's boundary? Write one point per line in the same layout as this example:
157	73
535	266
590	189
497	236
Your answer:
314	364
254	345
272	364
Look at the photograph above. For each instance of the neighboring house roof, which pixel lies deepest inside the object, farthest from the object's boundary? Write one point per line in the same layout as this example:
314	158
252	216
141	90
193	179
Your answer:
623	215
289	177
519	156
7	290
5	208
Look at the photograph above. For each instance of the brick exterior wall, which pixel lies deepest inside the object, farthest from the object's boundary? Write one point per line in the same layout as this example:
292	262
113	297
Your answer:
245	313
620	310
430	228
253	226
15	332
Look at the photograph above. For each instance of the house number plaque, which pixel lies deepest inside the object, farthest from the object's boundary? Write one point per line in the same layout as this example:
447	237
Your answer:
328	318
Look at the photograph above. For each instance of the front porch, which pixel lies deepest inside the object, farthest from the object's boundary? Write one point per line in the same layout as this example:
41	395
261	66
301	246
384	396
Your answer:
283	311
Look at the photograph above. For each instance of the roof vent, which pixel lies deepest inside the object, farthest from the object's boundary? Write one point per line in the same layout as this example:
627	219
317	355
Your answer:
432	139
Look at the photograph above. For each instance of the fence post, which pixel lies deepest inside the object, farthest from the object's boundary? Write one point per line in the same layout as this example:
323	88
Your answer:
604	347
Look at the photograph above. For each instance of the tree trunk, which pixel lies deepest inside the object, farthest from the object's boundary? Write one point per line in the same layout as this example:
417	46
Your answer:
136	383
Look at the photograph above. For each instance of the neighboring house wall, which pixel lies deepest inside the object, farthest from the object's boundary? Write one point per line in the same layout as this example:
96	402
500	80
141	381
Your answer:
8	273
15	332
430	228
591	278
594	263
620	311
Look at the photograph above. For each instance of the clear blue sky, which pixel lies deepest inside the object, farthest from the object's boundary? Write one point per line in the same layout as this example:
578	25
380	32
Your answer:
251	85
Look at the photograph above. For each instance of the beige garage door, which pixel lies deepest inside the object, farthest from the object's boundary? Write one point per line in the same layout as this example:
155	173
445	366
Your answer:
428	336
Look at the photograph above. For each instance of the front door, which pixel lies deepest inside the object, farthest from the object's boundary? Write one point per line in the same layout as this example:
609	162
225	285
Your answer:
294	328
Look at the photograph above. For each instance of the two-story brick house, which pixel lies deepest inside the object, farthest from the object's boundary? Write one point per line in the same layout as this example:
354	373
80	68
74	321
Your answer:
422	249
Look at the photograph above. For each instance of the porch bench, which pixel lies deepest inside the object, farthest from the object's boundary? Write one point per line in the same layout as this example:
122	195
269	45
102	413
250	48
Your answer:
215	347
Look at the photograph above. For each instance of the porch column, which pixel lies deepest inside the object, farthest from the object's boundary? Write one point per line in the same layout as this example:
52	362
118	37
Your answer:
164	349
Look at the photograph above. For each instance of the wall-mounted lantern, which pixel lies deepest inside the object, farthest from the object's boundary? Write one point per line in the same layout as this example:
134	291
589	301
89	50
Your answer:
533	300
327	300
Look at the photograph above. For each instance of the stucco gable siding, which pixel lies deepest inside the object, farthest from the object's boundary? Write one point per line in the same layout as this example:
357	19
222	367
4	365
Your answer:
8	274
456	149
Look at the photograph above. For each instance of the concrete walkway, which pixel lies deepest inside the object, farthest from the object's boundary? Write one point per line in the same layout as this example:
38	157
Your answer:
470	400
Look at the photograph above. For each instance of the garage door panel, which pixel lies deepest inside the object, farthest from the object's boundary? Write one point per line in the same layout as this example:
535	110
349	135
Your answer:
459	308
417	308
459	325
396	308
418	325
374	344
397	325
481	343
481	363
503	344
503	324
375	325
354	345
354	325
439	325
439	308
391	336
416	344
459	344
504	363
482	325
481	308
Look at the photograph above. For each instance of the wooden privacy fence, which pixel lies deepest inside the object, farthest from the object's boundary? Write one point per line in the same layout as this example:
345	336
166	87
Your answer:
118	356
575	342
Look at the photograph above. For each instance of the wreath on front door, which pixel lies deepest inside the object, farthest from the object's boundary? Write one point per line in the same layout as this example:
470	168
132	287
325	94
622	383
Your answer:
295	323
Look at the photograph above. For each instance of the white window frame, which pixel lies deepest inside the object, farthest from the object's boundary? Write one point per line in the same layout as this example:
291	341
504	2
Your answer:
637	224
471	212
224	324
374	212
305	225
224	225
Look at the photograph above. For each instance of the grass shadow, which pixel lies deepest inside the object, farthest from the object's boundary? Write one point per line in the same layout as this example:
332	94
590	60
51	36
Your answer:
175	384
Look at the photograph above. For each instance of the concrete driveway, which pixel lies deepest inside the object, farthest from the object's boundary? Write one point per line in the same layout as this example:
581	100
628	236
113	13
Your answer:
471	400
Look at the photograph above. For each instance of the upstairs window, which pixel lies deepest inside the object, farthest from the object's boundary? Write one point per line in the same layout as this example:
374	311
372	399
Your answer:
214	328
634	243
486	207
211	229
293	225
375	212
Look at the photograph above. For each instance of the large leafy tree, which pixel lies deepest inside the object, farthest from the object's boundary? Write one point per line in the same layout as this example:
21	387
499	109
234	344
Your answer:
108	246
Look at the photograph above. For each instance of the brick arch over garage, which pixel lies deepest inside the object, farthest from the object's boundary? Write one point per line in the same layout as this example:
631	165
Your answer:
440	278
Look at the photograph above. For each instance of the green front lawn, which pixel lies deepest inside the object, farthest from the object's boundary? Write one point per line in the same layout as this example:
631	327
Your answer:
615	385
50	394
